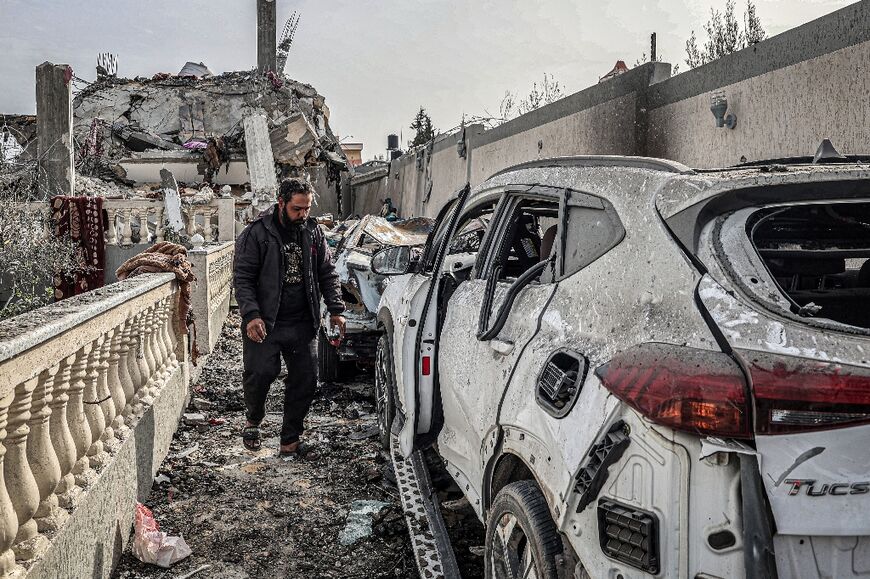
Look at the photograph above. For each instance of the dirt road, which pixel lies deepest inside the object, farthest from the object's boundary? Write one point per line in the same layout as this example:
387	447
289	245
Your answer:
258	515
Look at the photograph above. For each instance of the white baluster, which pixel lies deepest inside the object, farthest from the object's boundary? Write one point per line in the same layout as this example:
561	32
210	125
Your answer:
116	385
207	231
169	330
145	360
61	436
144	234
25	497
41	454
8	517
96	418
126	226
112	231
134	404
104	394
191	220
160	339
78	420
158	225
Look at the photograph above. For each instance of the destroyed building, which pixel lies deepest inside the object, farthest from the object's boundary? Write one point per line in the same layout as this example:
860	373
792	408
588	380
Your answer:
193	124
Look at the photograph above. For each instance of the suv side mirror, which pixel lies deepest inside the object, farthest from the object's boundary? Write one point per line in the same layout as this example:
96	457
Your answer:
392	261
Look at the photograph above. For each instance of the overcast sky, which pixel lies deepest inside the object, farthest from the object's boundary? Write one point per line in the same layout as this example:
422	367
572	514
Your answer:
376	61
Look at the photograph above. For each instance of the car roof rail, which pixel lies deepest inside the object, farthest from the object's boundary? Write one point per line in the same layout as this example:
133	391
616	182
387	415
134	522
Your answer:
826	154
788	161
650	163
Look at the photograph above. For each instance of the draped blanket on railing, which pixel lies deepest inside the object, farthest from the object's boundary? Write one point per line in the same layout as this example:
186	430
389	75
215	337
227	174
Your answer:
80	219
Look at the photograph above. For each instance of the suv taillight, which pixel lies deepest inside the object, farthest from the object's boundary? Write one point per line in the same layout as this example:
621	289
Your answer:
800	394
698	391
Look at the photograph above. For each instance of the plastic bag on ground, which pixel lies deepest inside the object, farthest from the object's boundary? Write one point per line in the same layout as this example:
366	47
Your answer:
153	546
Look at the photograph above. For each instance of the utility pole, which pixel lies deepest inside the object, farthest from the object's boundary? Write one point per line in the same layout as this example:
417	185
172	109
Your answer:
54	129
267	35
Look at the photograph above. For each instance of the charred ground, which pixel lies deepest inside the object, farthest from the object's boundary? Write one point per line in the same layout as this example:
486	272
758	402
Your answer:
257	515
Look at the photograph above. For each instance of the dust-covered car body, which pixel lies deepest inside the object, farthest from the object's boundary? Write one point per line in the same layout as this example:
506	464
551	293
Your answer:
663	373
361	288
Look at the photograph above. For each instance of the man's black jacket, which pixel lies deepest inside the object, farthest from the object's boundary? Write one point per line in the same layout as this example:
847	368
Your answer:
258	271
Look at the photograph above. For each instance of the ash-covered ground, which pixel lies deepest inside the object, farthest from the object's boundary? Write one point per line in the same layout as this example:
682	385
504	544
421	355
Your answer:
247	514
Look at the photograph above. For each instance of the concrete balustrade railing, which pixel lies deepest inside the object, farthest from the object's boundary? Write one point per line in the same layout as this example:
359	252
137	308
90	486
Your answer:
77	376
215	220
213	267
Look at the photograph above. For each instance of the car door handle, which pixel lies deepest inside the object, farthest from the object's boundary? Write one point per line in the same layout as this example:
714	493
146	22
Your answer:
502	347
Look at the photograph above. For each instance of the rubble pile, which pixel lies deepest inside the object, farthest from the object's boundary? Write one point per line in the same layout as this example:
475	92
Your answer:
193	122
202	116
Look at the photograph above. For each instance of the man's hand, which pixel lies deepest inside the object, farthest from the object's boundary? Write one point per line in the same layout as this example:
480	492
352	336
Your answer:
256	330
340	322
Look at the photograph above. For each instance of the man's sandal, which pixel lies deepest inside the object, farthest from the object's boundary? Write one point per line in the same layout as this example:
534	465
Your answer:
251	438
303	451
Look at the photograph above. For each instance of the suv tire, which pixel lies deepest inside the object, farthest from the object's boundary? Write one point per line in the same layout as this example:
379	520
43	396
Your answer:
519	533
328	363
385	388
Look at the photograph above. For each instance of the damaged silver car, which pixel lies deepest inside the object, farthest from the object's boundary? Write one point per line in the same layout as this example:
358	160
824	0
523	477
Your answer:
645	370
355	242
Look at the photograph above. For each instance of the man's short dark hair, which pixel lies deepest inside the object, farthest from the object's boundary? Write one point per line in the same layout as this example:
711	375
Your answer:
293	186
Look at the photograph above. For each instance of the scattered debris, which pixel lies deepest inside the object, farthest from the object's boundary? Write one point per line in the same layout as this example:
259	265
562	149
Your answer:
194	419
194	69
202	404
194	572
233	506
359	521
153	546
187	451
458	505
362	434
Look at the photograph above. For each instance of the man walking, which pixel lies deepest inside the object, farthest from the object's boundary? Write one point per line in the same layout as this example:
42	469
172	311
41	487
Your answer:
282	268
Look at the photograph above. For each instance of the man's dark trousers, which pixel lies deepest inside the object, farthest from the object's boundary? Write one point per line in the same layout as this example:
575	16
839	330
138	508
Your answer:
296	343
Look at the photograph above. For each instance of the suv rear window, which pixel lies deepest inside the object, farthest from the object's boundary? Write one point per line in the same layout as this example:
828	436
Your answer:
818	255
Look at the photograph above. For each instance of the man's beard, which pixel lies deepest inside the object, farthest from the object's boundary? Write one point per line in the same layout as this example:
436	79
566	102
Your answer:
286	220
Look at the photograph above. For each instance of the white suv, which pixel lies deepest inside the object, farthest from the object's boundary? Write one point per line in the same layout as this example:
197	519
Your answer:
635	369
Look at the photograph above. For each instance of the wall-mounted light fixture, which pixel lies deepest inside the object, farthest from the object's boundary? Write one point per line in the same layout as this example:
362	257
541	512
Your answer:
719	106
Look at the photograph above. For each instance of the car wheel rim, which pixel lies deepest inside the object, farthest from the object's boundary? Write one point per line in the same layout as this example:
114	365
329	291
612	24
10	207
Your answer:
381	389
511	553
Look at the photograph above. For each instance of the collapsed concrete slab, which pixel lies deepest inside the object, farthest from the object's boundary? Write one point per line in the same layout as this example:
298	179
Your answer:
294	140
261	164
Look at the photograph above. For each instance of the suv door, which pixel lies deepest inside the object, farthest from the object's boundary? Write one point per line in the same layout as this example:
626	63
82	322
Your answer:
414	331
475	363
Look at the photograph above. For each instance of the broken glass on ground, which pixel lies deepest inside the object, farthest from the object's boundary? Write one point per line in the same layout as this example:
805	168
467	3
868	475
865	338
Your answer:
359	521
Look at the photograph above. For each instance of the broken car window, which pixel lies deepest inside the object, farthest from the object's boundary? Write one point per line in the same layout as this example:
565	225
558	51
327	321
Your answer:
529	238
818	255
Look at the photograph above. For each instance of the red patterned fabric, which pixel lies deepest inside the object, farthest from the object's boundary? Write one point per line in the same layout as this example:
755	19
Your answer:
81	218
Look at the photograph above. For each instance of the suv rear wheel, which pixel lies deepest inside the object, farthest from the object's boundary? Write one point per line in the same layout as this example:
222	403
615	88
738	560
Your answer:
521	538
384	388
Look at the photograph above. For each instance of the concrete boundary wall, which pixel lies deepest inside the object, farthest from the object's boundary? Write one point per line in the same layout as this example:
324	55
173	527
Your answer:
788	93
